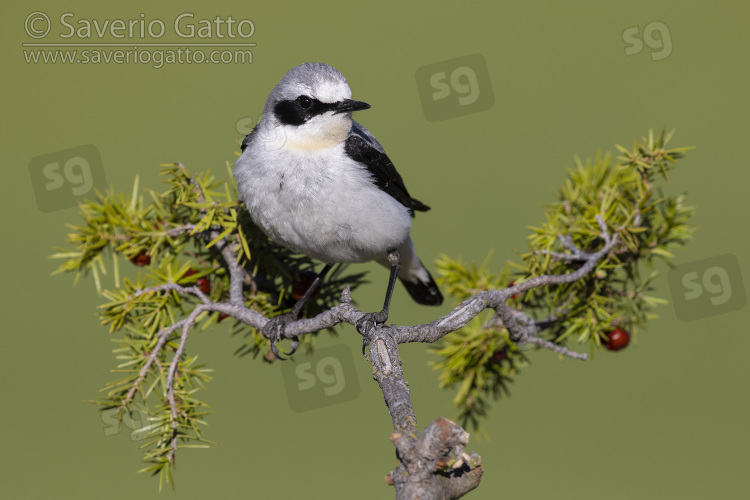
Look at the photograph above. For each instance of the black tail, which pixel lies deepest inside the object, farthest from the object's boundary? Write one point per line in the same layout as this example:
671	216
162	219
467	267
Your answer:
426	293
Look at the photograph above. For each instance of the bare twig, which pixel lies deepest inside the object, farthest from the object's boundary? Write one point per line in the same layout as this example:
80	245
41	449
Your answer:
163	336
170	379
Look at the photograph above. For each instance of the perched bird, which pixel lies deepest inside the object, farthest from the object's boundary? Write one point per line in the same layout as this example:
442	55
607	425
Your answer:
319	183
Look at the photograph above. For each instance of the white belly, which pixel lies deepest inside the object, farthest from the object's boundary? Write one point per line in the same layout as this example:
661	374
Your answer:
328	210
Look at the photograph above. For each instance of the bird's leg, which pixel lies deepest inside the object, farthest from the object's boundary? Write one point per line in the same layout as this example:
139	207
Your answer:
273	330
363	324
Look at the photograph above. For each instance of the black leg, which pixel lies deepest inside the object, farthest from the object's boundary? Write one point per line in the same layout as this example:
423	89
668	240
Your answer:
274	329
394	259
297	308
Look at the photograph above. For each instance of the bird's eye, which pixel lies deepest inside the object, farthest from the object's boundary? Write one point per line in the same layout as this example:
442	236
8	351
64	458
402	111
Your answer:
304	101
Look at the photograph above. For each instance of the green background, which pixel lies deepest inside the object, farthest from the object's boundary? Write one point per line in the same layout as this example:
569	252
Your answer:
666	418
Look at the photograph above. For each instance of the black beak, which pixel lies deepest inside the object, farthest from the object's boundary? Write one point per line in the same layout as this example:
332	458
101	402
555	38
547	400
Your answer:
348	105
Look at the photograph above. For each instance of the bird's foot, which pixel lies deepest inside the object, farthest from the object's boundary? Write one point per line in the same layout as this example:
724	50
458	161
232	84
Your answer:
367	323
273	330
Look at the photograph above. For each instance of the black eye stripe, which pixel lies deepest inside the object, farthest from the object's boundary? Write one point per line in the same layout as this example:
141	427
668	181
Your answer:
298	111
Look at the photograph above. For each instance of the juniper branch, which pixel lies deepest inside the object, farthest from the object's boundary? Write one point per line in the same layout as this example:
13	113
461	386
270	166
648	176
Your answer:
427	469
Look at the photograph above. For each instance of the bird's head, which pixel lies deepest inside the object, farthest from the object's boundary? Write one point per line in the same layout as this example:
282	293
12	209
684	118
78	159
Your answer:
312	105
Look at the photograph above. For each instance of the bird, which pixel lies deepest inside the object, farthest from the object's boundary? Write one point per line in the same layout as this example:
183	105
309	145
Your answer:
319	183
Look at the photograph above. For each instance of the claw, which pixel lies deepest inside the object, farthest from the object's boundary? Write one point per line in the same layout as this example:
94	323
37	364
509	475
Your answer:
275	350
367	323
295	346
374	318
274	332
362	324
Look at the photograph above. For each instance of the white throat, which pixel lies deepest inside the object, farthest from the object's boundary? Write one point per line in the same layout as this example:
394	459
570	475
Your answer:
322	132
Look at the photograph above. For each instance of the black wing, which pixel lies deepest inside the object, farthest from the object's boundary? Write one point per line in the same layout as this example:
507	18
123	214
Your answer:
383	172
